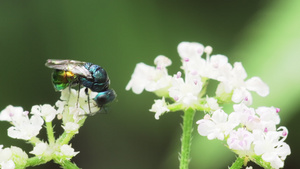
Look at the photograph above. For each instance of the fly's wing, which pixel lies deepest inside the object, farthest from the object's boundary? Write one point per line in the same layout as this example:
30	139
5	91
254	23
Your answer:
74	66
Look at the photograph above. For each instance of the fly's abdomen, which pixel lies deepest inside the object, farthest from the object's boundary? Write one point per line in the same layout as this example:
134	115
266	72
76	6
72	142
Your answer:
94	86
62	79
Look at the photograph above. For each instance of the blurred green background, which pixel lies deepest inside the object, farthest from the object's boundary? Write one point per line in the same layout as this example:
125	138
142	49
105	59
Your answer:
263	34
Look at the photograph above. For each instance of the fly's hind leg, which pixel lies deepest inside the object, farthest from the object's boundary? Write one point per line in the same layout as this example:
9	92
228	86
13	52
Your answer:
77	103
88	99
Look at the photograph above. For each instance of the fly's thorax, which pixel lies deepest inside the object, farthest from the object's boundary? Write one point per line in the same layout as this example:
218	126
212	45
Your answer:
99	75
99	81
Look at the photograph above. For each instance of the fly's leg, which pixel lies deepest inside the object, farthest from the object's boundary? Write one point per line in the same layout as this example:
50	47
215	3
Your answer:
77	103
88	98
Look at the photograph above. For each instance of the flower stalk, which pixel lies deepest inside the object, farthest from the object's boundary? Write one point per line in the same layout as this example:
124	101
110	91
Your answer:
34	161
65	164
187	129
238	163
50	133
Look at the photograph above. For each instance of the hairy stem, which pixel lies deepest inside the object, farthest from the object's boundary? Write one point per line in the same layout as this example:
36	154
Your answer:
50	133
187	128
238	163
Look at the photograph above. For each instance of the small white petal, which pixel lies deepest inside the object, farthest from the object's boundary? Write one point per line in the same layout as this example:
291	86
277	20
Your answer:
257	85
40	149
240	139
239	71
162	61
26	128
159	107
217	126
190	49
205	127
148	78
212	103
68	151
11	112
5	154
242	95
8	165
71	127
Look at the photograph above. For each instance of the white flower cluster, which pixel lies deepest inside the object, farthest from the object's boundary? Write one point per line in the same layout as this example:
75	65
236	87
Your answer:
247	131
187	91
43	149
8	157
72	109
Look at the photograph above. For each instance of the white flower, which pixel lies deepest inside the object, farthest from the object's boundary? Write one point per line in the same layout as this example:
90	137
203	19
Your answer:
235	82
5	155
217	126
269	118
41	149
76	104
60	107
240	139
46	111
71	127
74	115
19	156
150	78
190	50
246	116
212	103
214	67
192	63
86	101
8	164
159	107
13	157
185	92
271	148
218	67
263	118
23	126
26	128
162	62
67	151
11	113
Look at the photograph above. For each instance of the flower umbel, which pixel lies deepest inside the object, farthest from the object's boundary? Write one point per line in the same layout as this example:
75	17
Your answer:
246	130
71	110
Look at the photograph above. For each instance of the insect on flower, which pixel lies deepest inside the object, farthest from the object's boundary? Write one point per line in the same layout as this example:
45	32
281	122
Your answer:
70	73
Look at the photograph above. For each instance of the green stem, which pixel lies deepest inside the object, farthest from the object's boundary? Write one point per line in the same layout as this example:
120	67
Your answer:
50	133
187	128
65	138
34	161
258	160
65	164
238	163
